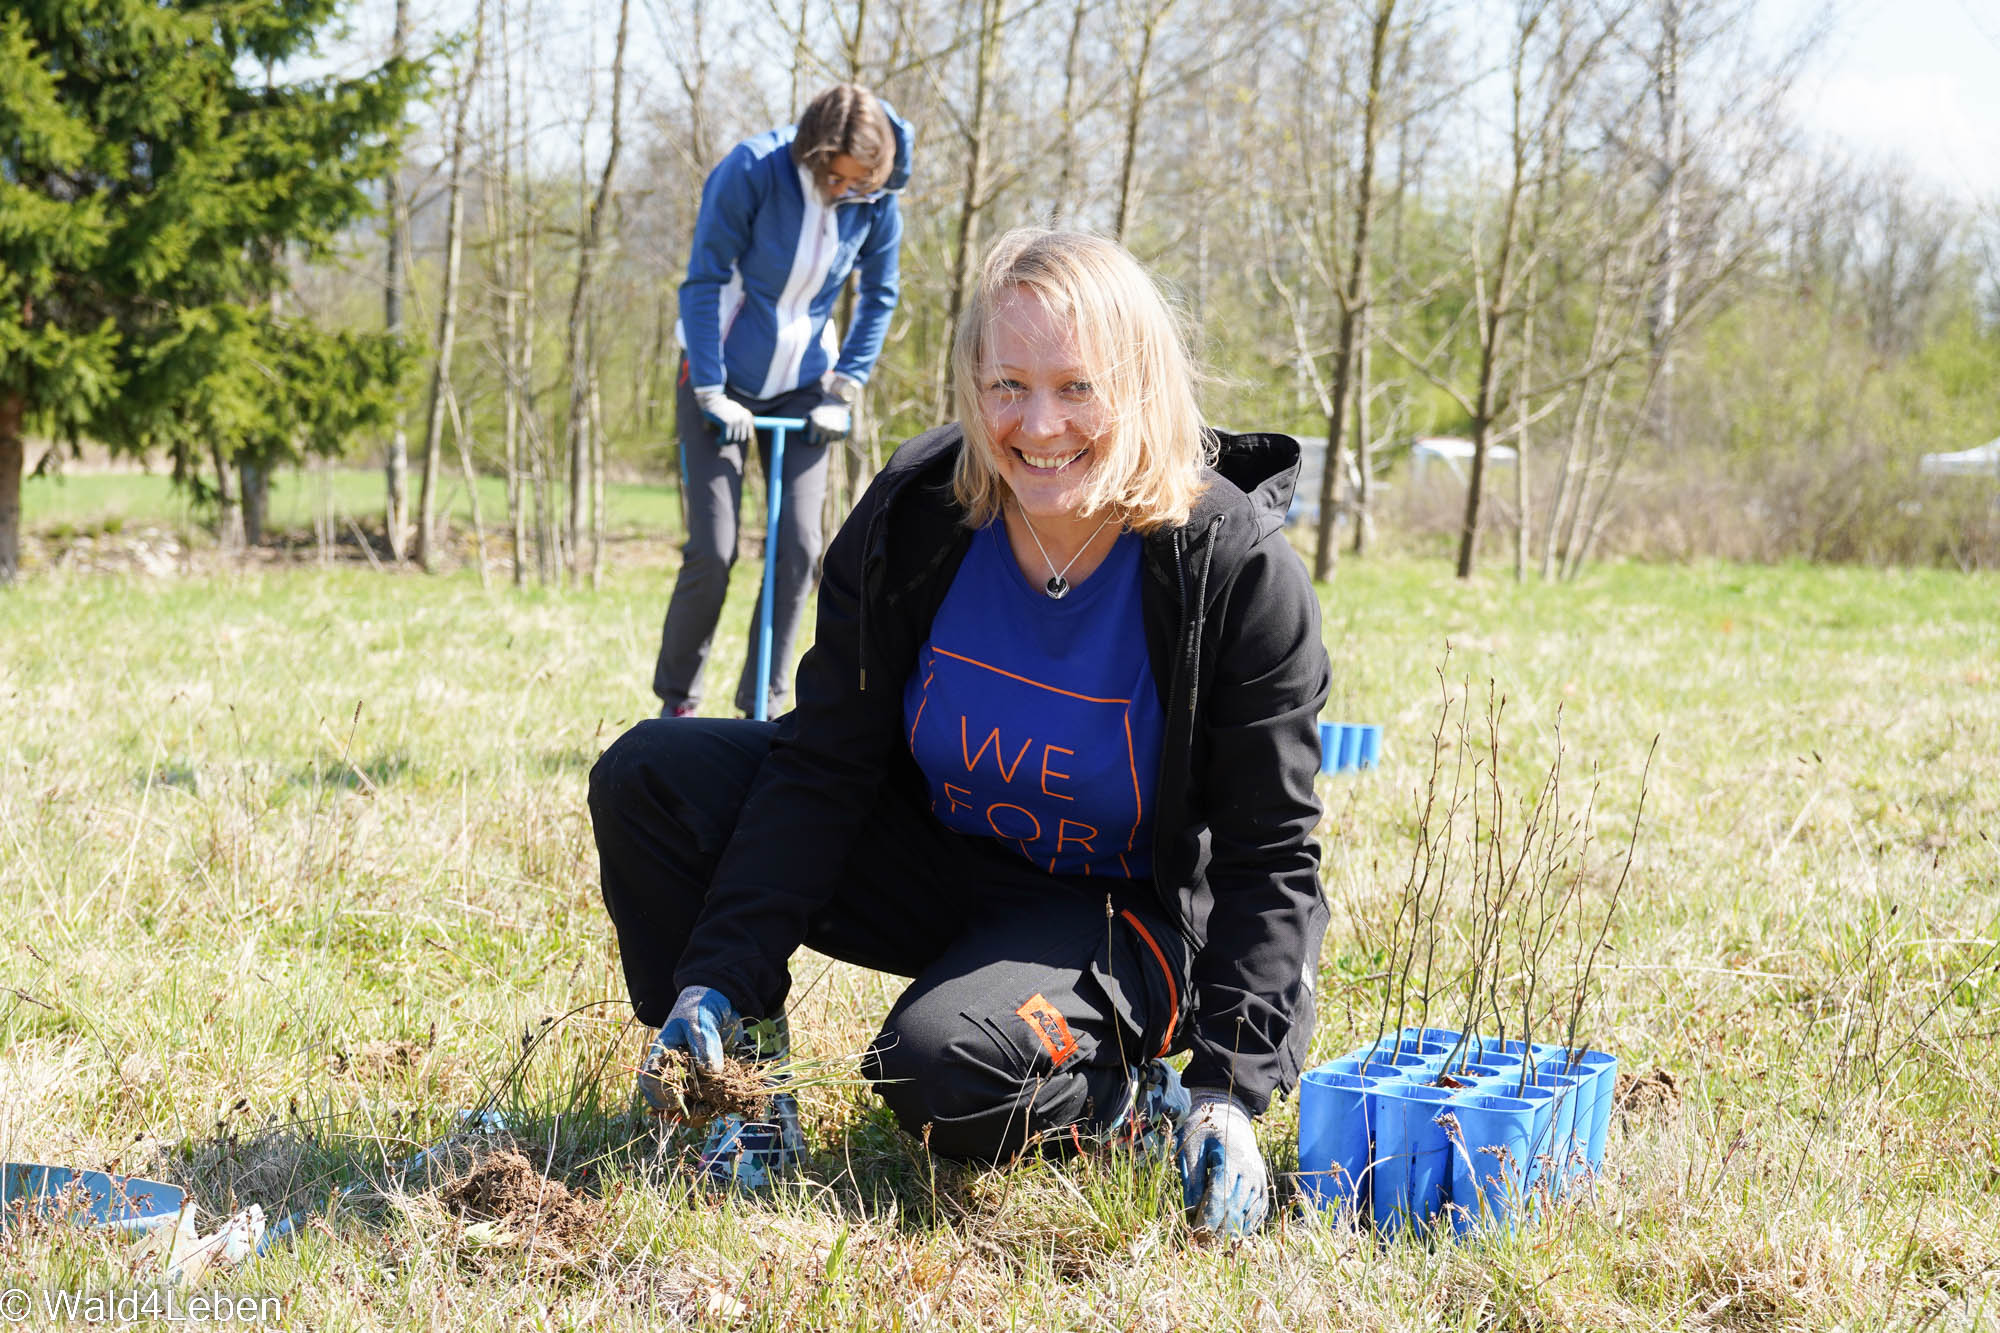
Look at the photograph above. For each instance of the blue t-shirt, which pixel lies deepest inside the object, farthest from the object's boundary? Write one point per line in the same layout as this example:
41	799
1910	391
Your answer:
1036	721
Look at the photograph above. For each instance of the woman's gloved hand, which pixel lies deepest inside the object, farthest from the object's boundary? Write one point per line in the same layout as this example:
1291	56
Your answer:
829	422
700	1023
834	419
1223	1178
736	422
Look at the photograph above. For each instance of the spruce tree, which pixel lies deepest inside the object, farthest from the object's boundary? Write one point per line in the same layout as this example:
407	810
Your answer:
154	178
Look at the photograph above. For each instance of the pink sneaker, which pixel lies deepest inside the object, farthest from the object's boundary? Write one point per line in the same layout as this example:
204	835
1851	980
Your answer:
685	708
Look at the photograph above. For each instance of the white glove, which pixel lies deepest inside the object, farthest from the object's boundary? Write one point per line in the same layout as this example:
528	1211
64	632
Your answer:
735	421
844	387
829	421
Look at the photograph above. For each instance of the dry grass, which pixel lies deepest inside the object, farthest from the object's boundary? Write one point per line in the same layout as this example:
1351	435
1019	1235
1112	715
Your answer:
300	870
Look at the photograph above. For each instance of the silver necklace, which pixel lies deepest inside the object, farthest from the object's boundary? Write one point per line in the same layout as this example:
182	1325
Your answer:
1058	587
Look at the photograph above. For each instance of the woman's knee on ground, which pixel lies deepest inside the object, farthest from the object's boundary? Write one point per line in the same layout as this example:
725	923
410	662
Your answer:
968	1094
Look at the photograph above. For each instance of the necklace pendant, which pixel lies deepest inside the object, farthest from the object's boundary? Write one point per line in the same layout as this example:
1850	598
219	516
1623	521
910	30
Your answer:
1057	587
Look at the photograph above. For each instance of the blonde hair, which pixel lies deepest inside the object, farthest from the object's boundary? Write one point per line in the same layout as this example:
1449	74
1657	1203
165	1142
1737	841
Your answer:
1150	455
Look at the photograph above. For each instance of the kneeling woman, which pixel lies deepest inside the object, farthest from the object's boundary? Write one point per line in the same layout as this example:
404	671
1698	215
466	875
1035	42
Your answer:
1052	758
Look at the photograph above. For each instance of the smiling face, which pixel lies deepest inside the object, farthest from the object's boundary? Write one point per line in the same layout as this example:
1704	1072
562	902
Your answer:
1044	420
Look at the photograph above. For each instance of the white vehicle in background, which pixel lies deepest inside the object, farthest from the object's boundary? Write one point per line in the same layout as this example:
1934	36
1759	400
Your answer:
1980	461
1428	454
1428	451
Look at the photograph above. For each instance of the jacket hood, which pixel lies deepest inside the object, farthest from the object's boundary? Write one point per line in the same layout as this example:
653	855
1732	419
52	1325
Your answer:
906	138
899	174
1262	466
1265	467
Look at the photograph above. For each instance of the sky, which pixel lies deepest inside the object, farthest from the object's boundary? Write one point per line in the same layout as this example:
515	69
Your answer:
1917	81
1913	81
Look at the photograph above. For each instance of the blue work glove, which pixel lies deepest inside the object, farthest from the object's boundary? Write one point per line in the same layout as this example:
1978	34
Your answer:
736	422
1223	1179
701	1022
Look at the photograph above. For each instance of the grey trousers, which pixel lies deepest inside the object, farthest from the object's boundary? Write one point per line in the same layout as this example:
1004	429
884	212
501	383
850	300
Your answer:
712	485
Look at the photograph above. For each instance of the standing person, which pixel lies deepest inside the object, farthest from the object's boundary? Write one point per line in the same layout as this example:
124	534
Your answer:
784	219
1053	758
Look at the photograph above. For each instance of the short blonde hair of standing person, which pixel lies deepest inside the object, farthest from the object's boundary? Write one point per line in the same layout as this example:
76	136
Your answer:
1135	351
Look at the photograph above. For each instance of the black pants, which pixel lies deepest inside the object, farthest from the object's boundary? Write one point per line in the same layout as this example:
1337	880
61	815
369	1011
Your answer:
1033	996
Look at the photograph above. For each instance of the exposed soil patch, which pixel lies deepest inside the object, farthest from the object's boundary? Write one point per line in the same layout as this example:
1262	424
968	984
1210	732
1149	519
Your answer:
379	1057
739	1088
1644	1096
504	1187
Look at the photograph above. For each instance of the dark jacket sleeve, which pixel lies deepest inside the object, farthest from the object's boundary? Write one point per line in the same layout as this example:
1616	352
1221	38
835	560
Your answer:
1252	980
827	764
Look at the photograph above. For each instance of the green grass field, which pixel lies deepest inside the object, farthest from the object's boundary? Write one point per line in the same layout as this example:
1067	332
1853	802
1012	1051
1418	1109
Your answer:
86	502
299	867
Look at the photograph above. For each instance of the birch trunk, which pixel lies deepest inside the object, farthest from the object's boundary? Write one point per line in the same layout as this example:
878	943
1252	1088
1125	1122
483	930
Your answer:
582	448
965	257
1355	301
454	249
396	466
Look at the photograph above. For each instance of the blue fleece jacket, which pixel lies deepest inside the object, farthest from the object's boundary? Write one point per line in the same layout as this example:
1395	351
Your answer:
769	259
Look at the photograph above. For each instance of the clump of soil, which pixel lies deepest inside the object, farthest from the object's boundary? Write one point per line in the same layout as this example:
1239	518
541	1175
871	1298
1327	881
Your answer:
1646	1095
738	1088
380	1057
504	1187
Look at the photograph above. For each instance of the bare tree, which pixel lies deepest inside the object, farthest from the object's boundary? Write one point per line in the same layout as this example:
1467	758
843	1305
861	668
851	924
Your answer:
503	267
1148	20
396	466
447	331
1554	46
1354	297
582	373
976	130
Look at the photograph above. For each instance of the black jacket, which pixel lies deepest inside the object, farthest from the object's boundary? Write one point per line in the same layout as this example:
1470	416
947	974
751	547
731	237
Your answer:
1232	629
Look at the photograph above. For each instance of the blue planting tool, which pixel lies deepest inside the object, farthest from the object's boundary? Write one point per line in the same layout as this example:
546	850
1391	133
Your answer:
774	477
124	1203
